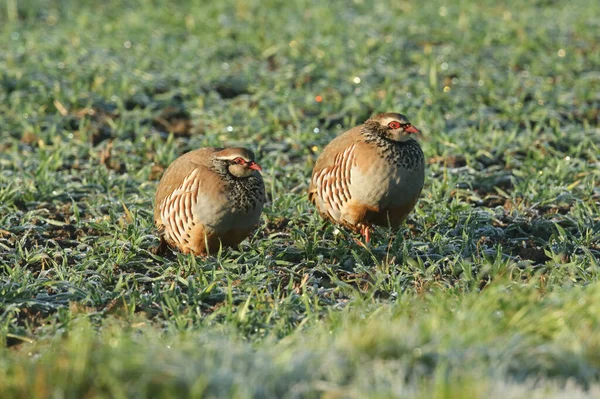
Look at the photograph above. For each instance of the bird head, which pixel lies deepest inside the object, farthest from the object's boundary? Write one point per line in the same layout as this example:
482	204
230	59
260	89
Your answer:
392	126
239	162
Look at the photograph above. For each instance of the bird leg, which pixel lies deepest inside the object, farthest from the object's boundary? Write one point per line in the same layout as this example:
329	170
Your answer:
162	247
365	232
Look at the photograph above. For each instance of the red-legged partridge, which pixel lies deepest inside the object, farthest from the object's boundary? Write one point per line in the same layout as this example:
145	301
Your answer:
209	197
371	174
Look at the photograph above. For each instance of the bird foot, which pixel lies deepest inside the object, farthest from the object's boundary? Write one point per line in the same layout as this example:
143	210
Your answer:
161	249
360	243
365	232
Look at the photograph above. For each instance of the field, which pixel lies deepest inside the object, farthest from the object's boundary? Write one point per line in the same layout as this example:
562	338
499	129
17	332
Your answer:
489	290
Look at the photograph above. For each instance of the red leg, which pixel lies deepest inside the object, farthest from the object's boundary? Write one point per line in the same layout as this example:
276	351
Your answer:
366	233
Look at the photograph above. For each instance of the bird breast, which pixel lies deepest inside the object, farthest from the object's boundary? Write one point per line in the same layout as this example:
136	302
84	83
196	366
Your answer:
382	184
240	208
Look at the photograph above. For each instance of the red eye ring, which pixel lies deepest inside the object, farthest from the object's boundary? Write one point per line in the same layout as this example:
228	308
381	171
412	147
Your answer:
394	125
239	160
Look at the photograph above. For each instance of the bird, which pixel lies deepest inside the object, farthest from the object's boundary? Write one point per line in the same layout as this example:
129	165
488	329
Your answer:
207	198
372	174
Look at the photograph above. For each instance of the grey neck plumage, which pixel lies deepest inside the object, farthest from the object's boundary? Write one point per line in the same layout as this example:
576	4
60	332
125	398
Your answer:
244	192
407	154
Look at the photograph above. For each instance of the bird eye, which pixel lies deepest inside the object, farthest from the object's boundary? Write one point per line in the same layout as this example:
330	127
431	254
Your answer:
394	125
239	161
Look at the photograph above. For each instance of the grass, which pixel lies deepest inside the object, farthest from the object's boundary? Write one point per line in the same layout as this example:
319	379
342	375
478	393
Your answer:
490	290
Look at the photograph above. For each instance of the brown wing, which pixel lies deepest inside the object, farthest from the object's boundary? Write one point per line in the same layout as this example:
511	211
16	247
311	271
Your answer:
329	188
176	174
176	220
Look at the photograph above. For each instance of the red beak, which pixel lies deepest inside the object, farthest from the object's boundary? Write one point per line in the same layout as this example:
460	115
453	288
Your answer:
254	165
411	129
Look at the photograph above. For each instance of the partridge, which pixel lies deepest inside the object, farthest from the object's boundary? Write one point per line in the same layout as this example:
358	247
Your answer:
369	175
208	197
